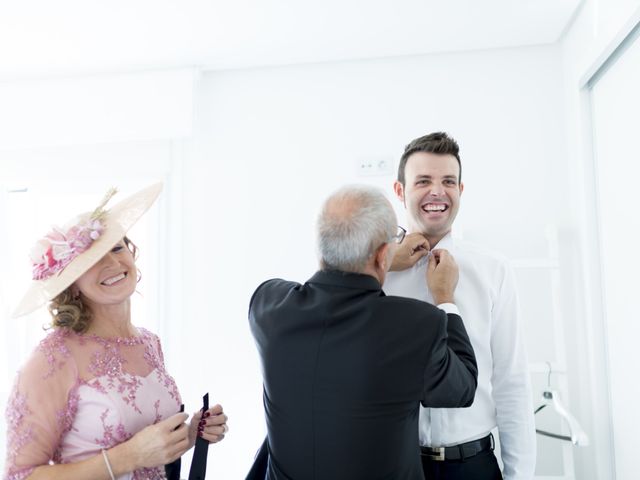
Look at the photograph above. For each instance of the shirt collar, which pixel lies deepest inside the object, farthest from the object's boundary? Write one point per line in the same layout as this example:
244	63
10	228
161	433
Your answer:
445	242
345	279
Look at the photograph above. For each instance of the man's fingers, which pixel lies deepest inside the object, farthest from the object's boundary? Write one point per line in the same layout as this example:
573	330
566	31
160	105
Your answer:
441	254
417	241
432	262
444	256
419	250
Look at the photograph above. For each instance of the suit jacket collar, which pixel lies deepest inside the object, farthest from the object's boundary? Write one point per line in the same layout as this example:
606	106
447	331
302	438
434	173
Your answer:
345	279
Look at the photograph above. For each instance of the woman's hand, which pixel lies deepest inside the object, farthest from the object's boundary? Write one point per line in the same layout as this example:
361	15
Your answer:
212	426
161	443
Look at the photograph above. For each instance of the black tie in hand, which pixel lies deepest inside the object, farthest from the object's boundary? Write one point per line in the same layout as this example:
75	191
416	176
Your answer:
199	461
173	469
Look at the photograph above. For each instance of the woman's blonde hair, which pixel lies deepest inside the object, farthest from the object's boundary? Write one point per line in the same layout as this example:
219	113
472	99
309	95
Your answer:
69	311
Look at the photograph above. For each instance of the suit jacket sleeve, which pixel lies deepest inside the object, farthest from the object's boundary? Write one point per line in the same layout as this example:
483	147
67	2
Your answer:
451	374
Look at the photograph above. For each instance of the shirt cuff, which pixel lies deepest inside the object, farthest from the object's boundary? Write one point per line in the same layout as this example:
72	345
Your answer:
449	308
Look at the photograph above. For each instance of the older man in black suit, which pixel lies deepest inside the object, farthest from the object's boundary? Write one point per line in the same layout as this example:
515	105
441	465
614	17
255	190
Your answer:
345	367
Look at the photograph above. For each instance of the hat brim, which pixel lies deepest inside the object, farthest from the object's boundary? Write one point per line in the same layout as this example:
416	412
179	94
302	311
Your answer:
117	222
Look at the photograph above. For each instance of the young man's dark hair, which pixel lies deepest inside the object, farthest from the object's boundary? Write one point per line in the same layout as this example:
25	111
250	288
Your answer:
436	142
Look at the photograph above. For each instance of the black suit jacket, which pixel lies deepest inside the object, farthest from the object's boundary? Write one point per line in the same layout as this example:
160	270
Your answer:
345	368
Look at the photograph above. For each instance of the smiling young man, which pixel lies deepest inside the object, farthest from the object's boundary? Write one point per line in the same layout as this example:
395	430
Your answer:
457	443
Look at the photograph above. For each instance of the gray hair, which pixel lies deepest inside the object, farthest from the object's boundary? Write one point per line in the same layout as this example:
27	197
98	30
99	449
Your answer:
354	222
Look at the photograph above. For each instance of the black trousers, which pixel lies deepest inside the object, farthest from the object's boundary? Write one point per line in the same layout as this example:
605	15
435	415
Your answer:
483	466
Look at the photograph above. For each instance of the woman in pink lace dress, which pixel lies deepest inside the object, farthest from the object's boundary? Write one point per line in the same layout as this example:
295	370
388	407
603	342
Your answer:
94	401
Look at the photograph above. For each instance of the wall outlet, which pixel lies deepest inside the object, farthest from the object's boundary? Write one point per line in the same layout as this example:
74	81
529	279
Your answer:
374	166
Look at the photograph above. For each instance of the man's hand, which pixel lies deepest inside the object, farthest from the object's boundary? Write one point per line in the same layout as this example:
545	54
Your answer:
413	248
442	276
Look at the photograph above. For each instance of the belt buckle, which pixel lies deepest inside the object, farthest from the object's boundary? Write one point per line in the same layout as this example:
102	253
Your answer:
436	453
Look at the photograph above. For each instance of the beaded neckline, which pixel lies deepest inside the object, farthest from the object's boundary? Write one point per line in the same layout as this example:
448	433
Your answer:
126	341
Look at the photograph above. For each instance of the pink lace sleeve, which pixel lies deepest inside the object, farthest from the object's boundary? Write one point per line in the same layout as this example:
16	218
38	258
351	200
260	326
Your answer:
41	407
159	348
156	358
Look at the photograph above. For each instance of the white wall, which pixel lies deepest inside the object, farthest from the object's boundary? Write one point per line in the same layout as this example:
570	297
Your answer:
584	46
270	144
113	108
615	101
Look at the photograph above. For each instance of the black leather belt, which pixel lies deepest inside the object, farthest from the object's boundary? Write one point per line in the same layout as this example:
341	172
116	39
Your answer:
458	452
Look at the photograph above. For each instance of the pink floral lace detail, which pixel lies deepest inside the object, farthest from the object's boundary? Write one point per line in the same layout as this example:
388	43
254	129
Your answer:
55	344
65	418
109	363
112	436
158	416
70	362
19	475
155	358
156	473
18	435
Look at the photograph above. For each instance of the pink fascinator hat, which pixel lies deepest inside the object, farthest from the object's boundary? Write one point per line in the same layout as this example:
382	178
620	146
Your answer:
64	254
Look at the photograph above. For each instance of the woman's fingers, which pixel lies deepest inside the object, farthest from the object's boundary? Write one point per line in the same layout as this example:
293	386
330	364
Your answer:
180	448
173	422
215	420
212	438
212	425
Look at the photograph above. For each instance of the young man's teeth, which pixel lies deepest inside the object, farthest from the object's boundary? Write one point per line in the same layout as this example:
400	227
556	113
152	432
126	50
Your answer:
435	208
112	280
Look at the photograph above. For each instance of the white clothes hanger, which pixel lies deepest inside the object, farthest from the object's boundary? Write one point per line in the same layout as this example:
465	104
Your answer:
577	435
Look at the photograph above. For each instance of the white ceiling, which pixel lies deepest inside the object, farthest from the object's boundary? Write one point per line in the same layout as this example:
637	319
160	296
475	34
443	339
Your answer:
67	37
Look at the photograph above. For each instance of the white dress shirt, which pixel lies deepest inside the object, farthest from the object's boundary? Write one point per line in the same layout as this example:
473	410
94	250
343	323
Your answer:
487	300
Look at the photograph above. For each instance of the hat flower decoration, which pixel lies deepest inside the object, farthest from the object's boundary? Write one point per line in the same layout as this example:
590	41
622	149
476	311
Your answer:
65	254
58	248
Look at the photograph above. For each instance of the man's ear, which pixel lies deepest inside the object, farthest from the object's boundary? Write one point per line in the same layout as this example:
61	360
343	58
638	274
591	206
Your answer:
399	189
382	257
461	187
